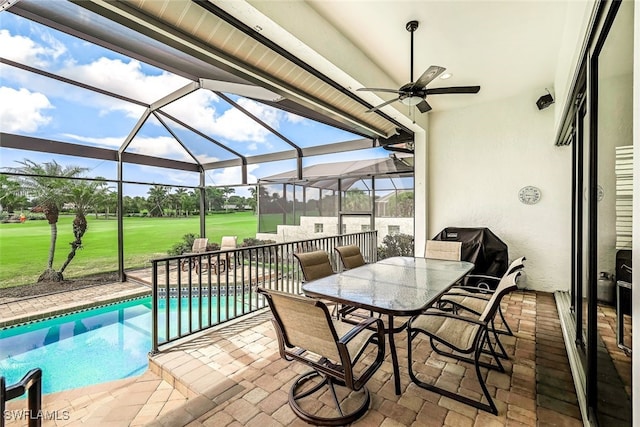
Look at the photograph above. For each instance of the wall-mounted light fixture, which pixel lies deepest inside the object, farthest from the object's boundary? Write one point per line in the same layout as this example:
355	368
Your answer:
545	100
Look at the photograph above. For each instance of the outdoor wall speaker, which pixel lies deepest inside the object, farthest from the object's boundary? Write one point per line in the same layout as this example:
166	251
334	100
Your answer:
544	101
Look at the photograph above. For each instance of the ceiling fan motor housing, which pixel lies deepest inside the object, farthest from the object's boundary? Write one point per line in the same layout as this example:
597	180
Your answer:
412	26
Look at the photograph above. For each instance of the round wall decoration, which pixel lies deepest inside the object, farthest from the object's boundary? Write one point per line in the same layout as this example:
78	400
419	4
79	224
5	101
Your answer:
529	195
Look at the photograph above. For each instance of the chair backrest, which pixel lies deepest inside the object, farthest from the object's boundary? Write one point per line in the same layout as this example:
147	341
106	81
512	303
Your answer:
200	245
315	265
304	323
507	284
443	249
516	265
350	256
228	242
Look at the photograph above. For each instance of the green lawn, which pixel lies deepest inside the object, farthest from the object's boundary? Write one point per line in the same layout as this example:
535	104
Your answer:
24	247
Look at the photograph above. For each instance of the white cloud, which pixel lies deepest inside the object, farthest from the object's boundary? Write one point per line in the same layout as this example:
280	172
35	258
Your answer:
230	176
128	77
161	146
198	111
125	78
108	142
22	110
27	51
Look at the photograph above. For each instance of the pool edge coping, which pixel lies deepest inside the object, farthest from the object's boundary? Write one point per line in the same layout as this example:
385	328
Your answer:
49	313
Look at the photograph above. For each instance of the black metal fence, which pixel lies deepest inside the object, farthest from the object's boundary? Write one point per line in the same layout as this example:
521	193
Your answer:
195	292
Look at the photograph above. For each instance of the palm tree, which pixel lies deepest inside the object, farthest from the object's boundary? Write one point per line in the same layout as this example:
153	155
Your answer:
10	194
45	184
179	200
83	194
158	195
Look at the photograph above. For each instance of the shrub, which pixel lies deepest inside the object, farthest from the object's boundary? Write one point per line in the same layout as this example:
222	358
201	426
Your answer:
186	244
396	245
183	246
250	241
31	216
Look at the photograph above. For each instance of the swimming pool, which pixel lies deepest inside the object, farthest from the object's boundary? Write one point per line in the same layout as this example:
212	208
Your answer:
88	347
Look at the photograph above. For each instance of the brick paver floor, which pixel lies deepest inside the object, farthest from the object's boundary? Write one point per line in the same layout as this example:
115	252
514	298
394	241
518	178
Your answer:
234	376
536	389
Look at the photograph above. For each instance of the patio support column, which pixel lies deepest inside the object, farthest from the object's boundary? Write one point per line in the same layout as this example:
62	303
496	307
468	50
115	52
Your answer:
420	184
339	206
203	204
372	223
293	209
121	275
284	203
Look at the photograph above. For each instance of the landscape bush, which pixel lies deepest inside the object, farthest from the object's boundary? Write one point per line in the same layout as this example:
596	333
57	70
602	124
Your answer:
396	245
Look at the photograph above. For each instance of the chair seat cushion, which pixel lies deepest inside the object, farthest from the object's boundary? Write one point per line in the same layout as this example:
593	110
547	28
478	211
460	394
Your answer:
451	331
472	303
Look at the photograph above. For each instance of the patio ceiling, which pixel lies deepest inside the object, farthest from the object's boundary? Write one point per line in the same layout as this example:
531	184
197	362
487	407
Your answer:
220	48
202	43
326	175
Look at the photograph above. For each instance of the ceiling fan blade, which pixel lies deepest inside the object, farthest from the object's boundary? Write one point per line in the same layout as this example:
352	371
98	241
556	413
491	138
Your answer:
426	77
378	89
457	89
377	107
424	106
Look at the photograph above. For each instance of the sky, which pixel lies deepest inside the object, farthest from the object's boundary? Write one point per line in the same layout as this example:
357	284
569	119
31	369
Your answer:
42	107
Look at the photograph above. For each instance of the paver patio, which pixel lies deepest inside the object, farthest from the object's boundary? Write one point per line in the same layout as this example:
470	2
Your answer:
233	375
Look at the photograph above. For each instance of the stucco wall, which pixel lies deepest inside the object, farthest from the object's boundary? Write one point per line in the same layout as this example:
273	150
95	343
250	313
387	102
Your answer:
476	171
306	229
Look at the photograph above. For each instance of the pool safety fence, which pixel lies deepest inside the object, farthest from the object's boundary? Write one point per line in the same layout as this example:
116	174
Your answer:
210	279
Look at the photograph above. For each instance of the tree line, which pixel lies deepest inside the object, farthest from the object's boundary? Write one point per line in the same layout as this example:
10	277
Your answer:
49	188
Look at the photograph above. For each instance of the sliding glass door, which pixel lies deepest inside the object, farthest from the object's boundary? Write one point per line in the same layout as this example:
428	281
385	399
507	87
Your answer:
602	128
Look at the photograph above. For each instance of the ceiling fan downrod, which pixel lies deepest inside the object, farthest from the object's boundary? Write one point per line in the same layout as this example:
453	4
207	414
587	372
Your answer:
411	27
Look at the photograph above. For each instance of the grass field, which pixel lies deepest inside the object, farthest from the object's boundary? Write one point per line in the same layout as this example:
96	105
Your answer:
24	247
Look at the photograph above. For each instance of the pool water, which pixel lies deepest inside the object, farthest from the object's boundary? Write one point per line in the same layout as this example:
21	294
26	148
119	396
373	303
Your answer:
89	347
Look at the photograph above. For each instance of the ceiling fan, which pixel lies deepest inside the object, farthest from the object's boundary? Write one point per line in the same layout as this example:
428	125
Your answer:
415	93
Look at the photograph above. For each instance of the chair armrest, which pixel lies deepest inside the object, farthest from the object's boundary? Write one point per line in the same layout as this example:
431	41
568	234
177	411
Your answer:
451	316
471	289
483	276
360	327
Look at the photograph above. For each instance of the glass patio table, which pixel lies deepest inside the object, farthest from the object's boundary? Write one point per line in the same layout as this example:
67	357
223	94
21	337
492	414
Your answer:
397	286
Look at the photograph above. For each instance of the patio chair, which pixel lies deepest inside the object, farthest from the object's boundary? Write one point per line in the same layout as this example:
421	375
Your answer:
198	247
442	249
475	298
466	335
224	261
334	350
316	265
350	256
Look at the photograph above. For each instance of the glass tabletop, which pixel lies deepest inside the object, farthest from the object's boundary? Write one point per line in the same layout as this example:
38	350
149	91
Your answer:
399	286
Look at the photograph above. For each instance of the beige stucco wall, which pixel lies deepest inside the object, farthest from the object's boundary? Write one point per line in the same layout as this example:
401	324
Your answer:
476	171
307	227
